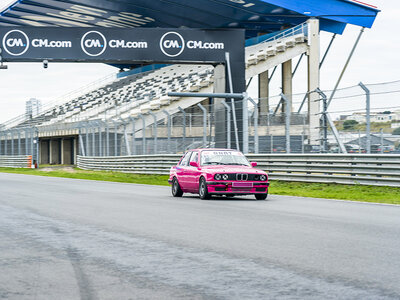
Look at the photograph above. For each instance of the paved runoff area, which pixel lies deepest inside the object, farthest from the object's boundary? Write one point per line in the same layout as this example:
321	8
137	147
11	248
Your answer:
76	239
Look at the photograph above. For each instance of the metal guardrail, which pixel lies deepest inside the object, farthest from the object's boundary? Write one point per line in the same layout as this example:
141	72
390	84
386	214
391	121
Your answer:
16	161
382	170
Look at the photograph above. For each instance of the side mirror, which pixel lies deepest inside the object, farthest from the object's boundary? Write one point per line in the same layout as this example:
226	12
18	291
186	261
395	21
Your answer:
194	164
253	164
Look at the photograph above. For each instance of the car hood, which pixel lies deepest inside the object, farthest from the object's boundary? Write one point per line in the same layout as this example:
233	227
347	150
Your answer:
231	169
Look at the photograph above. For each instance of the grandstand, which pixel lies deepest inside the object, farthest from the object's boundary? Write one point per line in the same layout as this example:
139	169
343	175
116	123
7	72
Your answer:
144	94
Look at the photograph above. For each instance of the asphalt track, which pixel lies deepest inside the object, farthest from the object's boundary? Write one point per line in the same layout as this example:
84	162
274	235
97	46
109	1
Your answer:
75	239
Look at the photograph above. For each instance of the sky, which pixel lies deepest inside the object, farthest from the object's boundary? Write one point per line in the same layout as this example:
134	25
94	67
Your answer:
375	60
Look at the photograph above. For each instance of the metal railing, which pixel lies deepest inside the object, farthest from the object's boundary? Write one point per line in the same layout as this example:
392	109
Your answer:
382	170
299	29
17	161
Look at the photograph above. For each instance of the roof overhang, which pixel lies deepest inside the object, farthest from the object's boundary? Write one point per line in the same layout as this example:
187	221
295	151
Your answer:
256	16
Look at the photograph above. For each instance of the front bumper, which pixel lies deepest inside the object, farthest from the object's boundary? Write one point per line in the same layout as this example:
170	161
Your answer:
257	187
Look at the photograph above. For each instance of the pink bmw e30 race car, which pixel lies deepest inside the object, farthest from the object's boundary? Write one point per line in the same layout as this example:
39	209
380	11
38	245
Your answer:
209	172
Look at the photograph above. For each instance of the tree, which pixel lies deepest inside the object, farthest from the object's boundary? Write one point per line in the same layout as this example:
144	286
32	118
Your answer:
349	124
396	131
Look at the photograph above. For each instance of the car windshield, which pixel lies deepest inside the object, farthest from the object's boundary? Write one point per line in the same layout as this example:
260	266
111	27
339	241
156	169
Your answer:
223	158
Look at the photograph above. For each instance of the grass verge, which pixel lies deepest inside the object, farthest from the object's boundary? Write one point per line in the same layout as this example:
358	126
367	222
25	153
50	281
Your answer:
378	194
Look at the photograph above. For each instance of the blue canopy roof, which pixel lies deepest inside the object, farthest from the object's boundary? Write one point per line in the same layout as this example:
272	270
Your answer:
256	16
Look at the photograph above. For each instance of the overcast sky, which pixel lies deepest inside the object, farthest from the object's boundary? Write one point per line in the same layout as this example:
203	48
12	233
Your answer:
375	60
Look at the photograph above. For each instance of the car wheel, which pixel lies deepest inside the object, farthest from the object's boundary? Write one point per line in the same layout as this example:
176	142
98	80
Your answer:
203	191
261	196
176	188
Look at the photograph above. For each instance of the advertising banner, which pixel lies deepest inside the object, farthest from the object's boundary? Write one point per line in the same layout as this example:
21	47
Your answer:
111	45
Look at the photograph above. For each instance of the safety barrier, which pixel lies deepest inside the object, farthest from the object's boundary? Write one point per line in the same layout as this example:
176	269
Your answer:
16	161
382	170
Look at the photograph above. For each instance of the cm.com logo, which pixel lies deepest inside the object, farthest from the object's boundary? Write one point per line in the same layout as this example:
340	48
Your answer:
93	43
15	42
172	44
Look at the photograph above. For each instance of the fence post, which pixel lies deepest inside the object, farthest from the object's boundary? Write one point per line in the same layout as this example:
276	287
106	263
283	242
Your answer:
367	117
107	139
168	130
93	140
287	121
143	134
19	141
155	126
255	116
381	132
204	124
115	137
184	127
26	141
128	148
12	142
87	139
82	148
100	138
5	142
324	119
32	137
133	149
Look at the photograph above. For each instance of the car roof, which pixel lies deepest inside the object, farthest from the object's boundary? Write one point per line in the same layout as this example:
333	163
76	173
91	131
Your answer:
213	149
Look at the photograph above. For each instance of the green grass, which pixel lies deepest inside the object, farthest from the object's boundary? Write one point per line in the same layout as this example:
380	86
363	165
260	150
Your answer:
376	194
93	175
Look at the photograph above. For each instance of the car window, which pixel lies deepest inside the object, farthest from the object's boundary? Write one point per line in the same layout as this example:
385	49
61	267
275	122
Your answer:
185	159
223	157
194	157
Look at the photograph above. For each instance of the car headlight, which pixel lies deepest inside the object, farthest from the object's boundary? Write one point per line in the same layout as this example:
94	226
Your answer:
217	177
263	177
225	177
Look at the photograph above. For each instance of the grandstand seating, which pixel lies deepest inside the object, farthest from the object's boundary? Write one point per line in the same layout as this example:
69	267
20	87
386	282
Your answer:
144	92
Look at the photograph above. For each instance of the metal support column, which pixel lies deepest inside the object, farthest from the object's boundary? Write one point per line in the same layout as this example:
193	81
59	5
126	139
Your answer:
228	123
381	133
367	117
245	124
345	65
204	125
228	65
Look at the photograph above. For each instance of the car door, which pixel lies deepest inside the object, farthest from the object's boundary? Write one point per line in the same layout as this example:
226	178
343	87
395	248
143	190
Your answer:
181	171
193	173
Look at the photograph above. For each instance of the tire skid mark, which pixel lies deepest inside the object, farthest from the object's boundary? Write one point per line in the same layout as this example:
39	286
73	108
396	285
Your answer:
203	272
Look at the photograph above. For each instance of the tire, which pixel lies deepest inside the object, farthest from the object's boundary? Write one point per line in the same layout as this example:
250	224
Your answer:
203	191
176	188
261	196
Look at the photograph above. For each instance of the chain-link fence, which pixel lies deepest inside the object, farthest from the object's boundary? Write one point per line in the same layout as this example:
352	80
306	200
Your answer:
357	119
20	141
